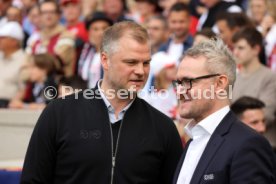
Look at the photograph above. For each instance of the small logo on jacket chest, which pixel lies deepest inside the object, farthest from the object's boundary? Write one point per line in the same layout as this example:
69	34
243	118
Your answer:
88	134
209	177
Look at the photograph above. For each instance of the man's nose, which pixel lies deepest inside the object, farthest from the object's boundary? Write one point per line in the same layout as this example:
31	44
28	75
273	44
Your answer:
261	128
235	52
139	69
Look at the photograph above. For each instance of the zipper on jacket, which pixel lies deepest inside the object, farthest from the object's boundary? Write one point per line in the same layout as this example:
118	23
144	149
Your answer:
113	154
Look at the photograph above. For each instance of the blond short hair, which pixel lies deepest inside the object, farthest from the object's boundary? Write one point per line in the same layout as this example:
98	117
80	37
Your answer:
126	28
219	57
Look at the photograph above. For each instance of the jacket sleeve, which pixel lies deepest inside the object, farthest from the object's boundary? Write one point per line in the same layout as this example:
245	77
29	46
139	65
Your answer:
39	164
253	163
173	154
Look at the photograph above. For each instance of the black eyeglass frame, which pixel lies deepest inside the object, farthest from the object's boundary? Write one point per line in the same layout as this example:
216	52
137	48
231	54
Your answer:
181	83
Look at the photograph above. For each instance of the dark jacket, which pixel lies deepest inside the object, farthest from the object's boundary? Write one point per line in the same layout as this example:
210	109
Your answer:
213	12
49	88
71	143
235	154
186	44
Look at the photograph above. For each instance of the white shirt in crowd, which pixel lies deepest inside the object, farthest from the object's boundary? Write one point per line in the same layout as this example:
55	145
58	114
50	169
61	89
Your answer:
91	71
165	100
270	40
176	50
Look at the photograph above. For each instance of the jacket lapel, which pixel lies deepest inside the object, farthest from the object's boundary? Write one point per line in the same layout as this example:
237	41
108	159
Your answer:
210	150
180	163
212	147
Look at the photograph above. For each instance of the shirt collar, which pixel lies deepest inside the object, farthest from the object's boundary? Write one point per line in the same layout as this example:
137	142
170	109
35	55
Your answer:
208	125
109	106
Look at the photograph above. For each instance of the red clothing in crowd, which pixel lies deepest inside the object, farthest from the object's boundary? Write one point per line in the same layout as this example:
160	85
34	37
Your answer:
79	30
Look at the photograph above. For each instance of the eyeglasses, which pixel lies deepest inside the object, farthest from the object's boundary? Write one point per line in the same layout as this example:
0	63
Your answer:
186	83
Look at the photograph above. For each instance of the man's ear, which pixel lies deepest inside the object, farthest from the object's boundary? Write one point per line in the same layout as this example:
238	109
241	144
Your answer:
257	49
104	61
221	84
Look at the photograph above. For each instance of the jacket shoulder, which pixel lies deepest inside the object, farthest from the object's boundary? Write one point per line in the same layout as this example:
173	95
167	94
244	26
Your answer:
240	134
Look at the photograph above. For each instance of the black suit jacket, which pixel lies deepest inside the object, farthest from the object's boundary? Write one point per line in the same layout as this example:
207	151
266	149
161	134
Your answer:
235	154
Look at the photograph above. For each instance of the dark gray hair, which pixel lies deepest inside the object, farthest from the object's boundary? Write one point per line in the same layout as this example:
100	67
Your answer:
113	34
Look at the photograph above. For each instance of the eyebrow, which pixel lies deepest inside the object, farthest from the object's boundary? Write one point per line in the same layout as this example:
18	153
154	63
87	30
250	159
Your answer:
136	60
186	78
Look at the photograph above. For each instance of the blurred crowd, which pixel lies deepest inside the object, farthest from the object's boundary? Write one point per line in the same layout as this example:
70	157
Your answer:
57	43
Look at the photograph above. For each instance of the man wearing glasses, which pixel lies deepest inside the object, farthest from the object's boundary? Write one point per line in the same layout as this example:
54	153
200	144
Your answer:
53	38
221	150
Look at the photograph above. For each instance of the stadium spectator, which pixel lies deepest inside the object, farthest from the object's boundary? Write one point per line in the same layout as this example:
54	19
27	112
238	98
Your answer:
204	34
179	23
229	23
146	9
69	85
12	59
158	32
89	63
214	7
41	86
163	96
250	111
116	10
254	79
4	5
71	10
53	38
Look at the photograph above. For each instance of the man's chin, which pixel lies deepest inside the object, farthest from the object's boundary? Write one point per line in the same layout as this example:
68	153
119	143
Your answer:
185	115
135	88
239	62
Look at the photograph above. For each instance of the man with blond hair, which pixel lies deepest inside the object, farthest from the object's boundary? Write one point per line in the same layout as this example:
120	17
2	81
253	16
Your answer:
222	149
107	134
